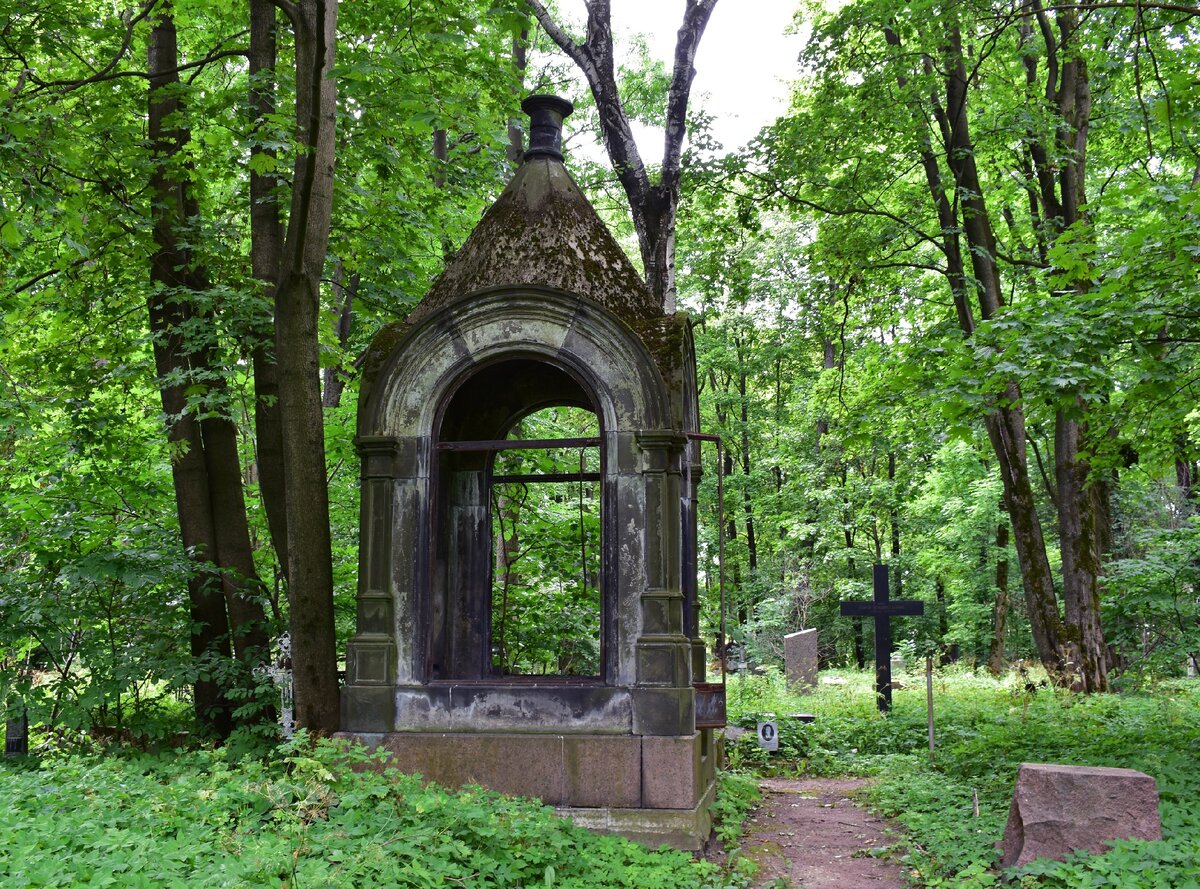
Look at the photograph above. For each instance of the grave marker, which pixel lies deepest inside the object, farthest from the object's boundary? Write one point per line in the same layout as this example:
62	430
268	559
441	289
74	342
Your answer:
768	736
883	610
280	674
1060	809
800	658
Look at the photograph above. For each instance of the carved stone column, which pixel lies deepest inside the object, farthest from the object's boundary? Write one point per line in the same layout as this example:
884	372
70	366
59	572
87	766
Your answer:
368	700
663	699
693	470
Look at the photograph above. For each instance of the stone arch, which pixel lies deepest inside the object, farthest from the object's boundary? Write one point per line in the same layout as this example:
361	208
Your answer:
406	588
437	355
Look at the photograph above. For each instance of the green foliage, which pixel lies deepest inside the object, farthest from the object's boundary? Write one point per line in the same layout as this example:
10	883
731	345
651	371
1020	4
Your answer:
318	814
1156	617
93	611
737	794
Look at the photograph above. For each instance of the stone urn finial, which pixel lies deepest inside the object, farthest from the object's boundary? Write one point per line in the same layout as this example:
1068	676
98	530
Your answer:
546	114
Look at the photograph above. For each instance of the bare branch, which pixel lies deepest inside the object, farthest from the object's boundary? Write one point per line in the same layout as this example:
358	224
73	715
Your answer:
1049	486
695	20
1132	4
214	56
557	34
865	209
74	264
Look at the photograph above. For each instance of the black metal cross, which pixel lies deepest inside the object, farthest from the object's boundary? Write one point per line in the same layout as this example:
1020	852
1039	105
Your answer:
883	611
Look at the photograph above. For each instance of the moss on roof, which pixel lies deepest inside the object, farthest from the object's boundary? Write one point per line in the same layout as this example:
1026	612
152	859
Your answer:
543	231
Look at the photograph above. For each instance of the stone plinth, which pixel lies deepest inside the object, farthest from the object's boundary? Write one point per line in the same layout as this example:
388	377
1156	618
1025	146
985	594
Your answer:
652	789
800	656
1057	810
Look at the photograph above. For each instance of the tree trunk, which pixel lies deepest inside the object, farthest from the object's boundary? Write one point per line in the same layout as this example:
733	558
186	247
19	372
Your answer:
297	317
266	256
995	661
1185	475
168	311
1006	430
827	363
848	535
1084	522
939	593
894	520
232	553
345	288
515	150
244	592
1006	422
1080	547
747	506
1006	425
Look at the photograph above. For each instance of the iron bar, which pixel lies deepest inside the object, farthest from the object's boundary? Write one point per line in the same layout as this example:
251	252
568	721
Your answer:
502	444
547	477
582	540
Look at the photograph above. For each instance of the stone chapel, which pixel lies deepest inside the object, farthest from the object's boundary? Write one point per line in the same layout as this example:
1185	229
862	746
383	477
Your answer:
540	308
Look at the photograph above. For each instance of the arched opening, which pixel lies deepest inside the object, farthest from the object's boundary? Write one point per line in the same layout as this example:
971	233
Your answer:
516	580
545	514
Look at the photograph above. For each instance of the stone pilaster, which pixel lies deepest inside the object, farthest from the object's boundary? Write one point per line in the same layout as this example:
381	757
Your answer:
368	701
663	701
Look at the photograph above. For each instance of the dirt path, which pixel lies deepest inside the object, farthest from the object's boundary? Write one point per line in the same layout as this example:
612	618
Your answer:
812	833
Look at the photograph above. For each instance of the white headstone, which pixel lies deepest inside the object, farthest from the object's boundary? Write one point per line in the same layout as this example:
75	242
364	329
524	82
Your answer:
768	736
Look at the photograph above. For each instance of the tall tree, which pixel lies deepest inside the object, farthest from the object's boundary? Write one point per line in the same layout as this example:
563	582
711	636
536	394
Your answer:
266	250
210	618
298	317
207	469
654	205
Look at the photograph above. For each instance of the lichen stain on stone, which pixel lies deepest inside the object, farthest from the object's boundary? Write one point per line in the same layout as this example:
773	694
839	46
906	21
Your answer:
382	346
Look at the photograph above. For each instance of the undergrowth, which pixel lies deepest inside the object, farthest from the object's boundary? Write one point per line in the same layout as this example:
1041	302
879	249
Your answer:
313	815
737	794
984	730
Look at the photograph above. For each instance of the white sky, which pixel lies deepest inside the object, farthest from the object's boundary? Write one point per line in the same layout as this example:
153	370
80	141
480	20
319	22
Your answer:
743	65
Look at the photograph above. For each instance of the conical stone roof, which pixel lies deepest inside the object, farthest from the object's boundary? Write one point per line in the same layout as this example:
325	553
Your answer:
542	231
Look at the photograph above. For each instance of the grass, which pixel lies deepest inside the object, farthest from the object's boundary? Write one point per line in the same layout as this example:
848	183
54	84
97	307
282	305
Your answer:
984	730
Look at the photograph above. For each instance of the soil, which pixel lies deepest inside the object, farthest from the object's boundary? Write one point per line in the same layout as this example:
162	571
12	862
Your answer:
811	832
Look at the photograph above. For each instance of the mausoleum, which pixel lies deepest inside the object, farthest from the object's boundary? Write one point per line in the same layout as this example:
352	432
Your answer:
541	309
